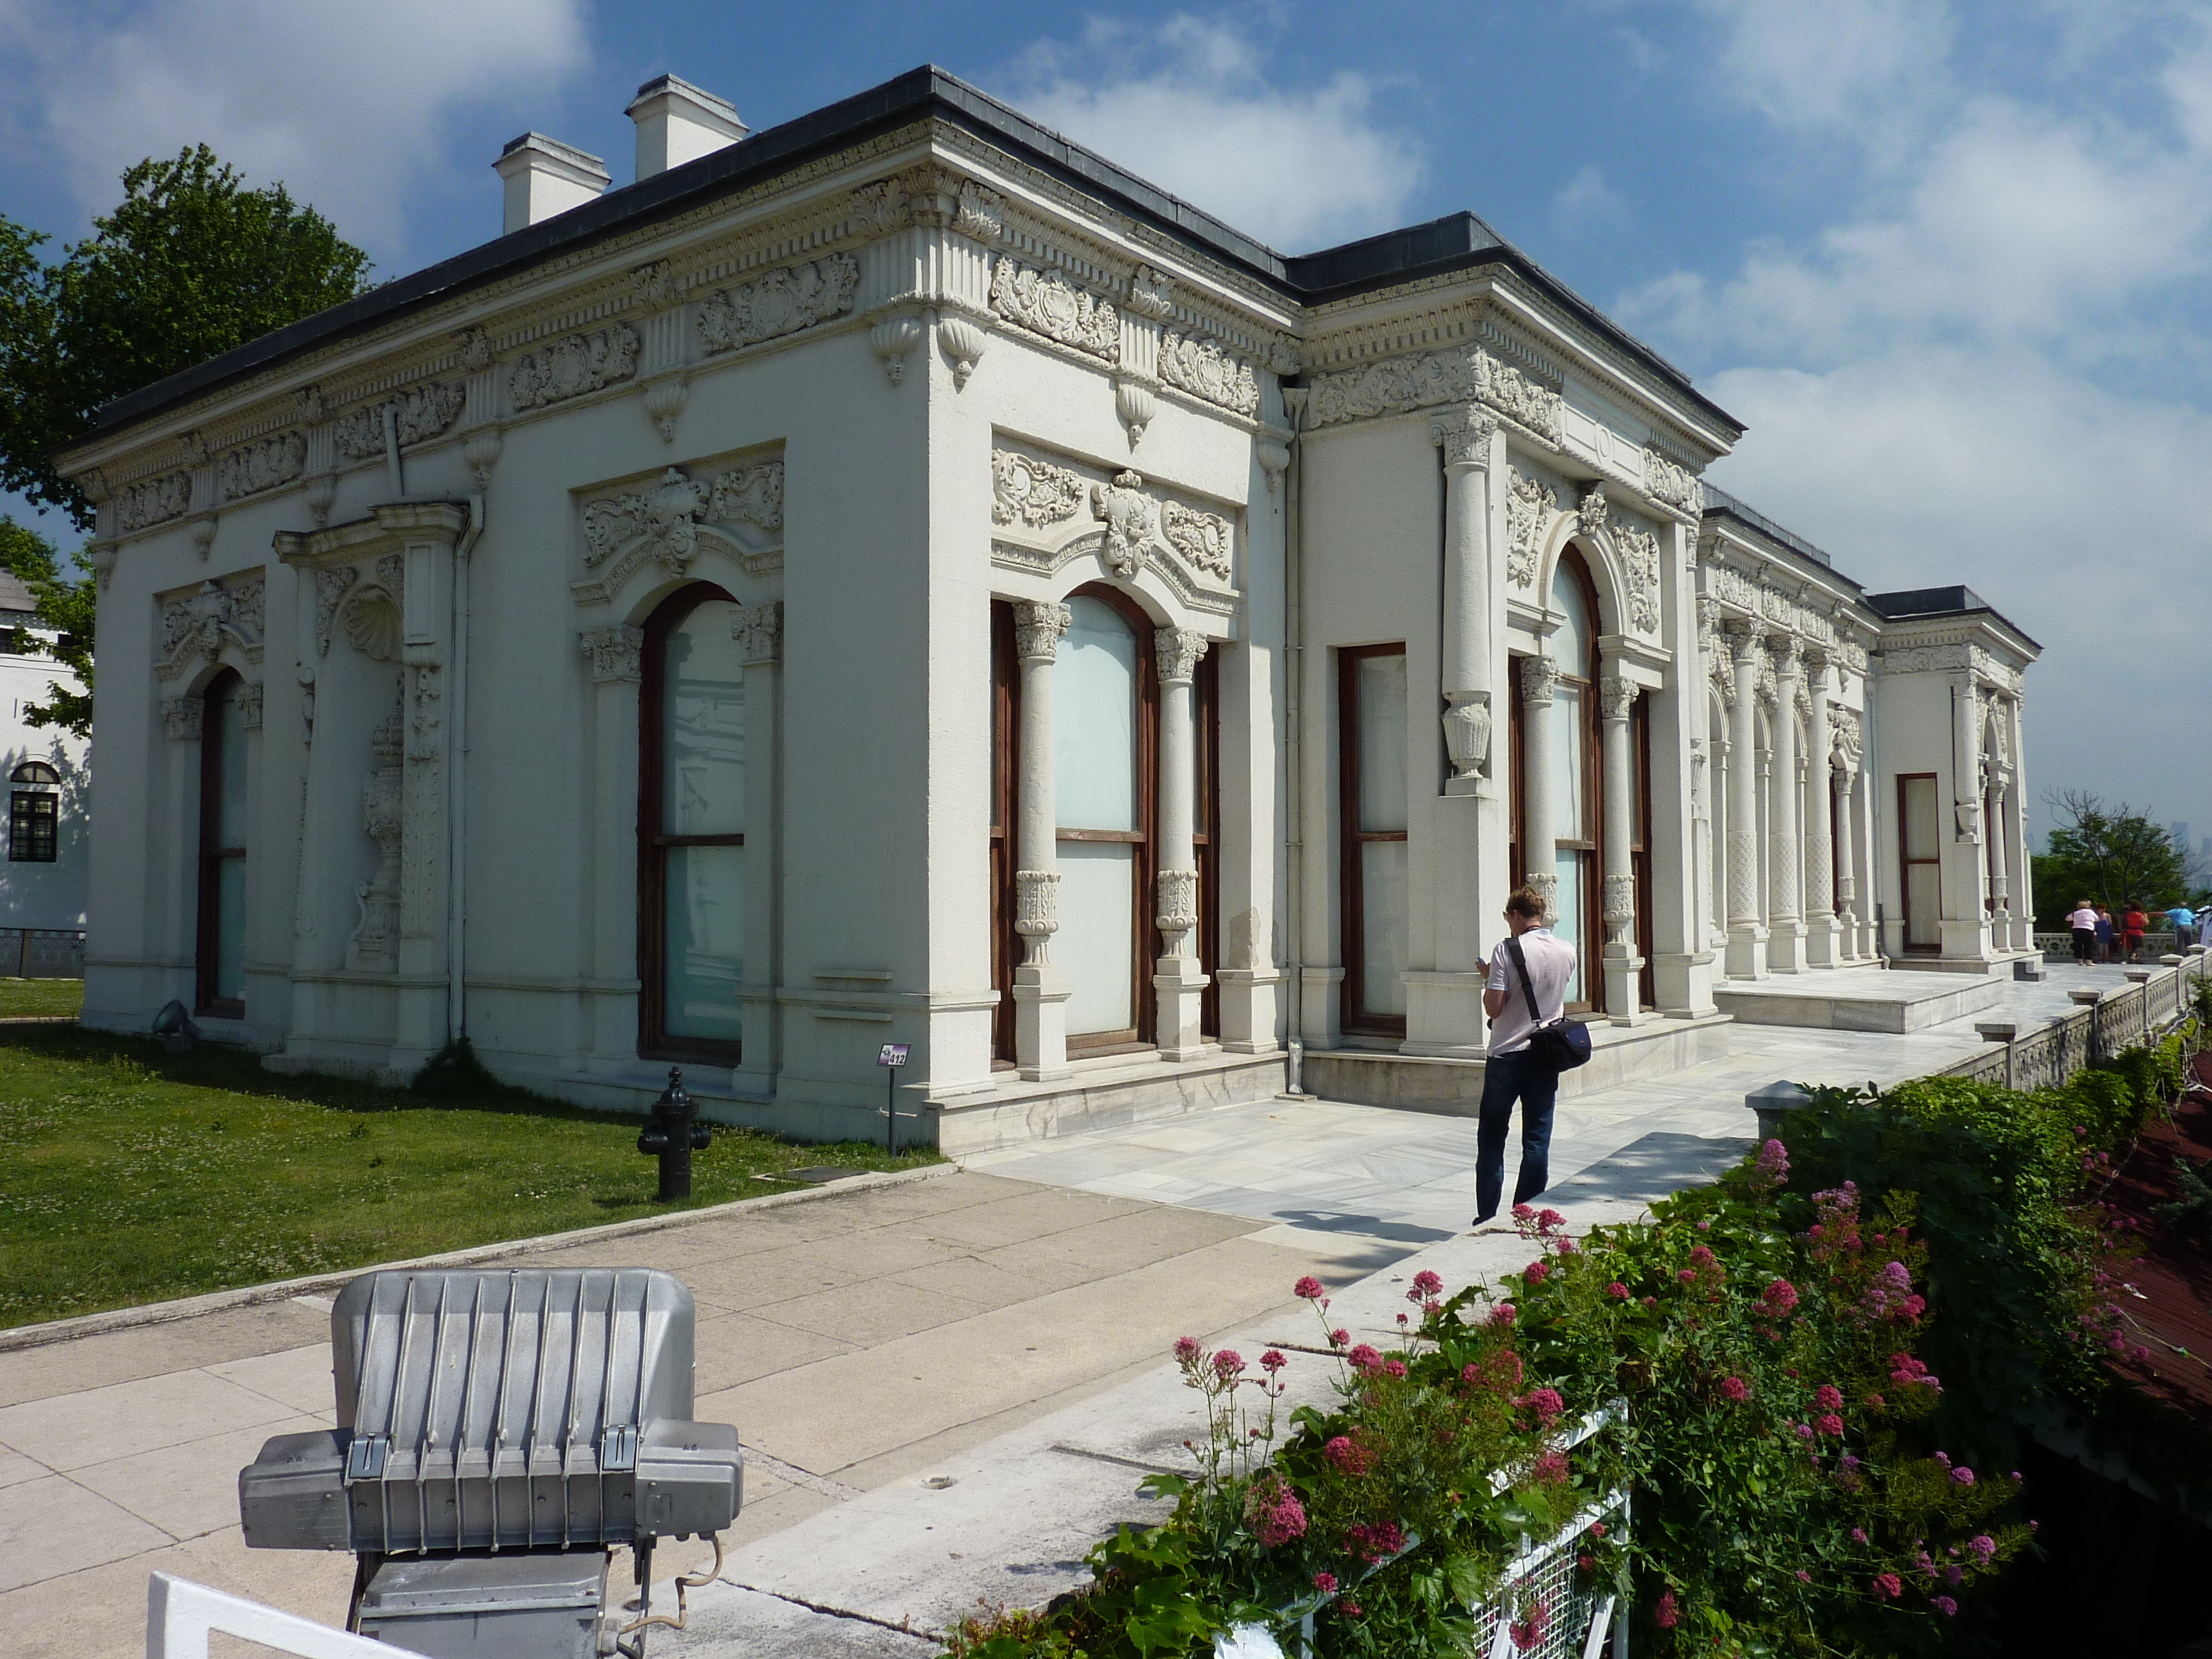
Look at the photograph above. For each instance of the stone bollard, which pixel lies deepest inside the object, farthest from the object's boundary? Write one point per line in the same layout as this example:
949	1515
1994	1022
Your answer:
1773	1103
1999	1031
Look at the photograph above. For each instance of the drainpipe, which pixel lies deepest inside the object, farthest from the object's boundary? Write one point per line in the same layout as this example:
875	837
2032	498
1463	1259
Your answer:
457	1006
392	453
1294	662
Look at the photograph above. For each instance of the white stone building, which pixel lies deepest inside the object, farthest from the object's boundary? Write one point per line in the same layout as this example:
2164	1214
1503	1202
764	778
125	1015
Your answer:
42	882
897	578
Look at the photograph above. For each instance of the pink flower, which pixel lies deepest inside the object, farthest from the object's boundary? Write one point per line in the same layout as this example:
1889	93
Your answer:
1325	1583
1528	1630
1349	1456
1829	1423
1857	1535
1337	1339
1772	1168
1982	1545
1889	1585
1944	1605
1308	1289
1804	1430
1687	1275
1503	1314
1271	1362
1351	1608
1734	1389
1618	1292
1228	1363
1550	1469
1394	1369
1276	1514
1545	1404
1828	1397
1535	1272
1597	1529
1548	1220
1666	1614
1522	1212
1364	1357
1778	1300
1186	1349
1426	1284
1803	1577
1962	1476
1374	1543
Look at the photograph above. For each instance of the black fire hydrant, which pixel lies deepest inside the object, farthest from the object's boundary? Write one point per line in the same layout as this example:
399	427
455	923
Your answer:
673	1135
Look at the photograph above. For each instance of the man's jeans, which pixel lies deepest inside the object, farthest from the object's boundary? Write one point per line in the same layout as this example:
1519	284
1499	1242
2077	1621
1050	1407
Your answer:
1506	1078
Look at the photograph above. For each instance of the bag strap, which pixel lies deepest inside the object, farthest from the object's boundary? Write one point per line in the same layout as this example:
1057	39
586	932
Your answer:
1527	989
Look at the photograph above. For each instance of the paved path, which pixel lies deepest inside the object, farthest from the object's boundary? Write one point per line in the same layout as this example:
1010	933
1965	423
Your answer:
946	1389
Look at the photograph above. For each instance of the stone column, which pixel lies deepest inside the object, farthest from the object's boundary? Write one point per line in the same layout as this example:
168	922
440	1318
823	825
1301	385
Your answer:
1965	922
1847	890
182	718
1538	856
1616	696
1701	842
1176	978
1464	436
614	659
1785	942
1998	812
1040	988
2015	829
1746	942
1821	946
758	630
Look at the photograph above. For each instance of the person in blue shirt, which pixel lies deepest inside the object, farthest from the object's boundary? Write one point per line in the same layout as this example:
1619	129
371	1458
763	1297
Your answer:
2184	925
2104	934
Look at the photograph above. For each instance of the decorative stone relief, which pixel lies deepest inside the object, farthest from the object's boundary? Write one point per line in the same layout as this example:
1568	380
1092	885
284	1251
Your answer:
977	213
1131	518
572	367
371	617
1400	384
196	627
154	501
249	705
1151	295
330	585
1045	302
1176	653
1595	515
1032	492
1176	892
758	630
1464	436
420	413
1036	908
1038	628
1466	725
482	453
782	302
1639	563
963	342
1197	364
254	467
740	510
426	698
180	717
880	207
1677	486
1733	587
1920	659
655	284
1206	540
664	403
893	338
474	345
1616	696
373	947
1539	674
1849	740
615	654
1530	506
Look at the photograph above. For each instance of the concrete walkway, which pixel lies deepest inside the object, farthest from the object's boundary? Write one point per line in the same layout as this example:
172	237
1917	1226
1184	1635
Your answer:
946	1390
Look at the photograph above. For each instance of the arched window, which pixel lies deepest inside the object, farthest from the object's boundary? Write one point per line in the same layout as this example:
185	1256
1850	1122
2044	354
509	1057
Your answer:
220	976
34	814
691	821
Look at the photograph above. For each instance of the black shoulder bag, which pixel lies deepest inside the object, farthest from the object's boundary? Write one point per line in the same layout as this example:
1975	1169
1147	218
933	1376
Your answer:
1561	1044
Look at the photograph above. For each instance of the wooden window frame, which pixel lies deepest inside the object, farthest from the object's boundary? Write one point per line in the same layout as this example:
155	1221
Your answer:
33	826
1640	851
1589	849
212	855
1354	1016
1005	822
1145	939
654	1039
1205	831
1905	862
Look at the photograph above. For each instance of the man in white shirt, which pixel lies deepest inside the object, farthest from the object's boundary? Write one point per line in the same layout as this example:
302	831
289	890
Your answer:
1512	1074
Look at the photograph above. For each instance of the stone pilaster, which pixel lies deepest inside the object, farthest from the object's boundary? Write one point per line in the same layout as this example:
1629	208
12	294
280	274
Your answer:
1178	980
758	630
1785	931
1040	990
1616	696
1746	927
1822	935
1539	857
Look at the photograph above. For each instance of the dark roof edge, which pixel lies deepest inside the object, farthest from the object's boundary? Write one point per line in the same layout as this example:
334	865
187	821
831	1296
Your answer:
1719	504
1457	241
1980	607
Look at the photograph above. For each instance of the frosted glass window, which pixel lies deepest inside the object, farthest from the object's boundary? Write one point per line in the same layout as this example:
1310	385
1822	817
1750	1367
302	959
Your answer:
1383	913
1570	802
1570	644
1568	866
703	726
1097	890
705	930
1382	698
1920	809
1922	838
1094	721
230	930
230	817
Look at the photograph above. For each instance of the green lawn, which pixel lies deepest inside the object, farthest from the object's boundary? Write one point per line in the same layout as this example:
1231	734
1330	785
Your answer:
45	997
130	1175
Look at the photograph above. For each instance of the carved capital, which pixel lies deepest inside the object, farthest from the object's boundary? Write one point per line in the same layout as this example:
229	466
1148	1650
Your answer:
1037	905
1788	650
1464	434
1538	676
1177	892
1743	639
1037	631
180	717
758	630
615	654
1176	652
1616	696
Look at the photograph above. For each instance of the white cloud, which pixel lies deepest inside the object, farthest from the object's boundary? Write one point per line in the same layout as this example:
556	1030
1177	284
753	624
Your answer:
1868	70
1586	203
349	106
1189	107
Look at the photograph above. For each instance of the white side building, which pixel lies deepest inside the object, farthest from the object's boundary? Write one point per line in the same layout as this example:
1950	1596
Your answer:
897	578
44	769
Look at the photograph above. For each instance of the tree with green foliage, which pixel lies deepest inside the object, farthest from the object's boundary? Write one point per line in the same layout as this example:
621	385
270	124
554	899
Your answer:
62	602
2107	854
191	263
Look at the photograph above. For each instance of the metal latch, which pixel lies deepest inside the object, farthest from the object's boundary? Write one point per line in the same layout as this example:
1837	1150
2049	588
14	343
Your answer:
365	1458
618	1448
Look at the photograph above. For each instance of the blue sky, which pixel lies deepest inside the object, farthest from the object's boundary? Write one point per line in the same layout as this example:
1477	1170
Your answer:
1947	260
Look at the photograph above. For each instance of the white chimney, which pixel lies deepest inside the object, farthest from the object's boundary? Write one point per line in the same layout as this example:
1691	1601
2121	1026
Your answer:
678	122
545	177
